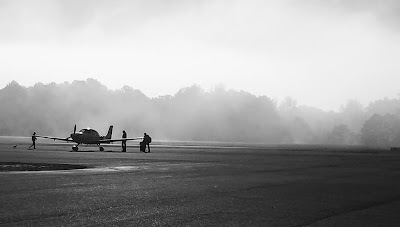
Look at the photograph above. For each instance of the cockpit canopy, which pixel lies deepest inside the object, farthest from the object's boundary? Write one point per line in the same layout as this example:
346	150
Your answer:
89	131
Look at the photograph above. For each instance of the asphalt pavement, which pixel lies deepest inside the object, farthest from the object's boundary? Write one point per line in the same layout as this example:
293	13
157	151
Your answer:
201	186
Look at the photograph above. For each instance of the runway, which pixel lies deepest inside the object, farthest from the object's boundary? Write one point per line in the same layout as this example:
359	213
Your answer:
200	185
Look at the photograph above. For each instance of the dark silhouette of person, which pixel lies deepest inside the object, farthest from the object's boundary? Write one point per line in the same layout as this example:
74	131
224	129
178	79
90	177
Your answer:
146	141
33	141
123	141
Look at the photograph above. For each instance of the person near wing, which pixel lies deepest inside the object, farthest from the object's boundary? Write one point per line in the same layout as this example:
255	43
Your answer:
146	141
33	141
124	141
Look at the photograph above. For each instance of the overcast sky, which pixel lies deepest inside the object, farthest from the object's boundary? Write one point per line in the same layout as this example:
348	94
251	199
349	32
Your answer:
319	52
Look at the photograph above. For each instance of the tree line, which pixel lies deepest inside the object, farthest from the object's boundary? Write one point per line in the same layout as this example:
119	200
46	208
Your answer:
193	114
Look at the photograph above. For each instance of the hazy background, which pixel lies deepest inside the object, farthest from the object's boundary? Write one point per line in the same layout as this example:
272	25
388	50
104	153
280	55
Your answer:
193	114
321	53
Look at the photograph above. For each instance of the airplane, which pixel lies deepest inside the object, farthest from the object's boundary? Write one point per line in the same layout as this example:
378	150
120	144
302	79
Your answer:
89	136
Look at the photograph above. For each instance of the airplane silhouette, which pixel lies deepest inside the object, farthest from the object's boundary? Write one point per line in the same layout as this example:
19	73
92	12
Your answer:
89	136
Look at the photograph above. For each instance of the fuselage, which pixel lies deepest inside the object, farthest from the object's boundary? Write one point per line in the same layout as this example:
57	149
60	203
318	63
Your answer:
87	136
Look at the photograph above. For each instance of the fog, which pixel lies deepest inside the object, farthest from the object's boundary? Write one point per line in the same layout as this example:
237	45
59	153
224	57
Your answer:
322	53
193	114
290	71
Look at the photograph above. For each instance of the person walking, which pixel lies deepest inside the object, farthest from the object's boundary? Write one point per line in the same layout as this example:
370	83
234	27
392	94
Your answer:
124	141
33	141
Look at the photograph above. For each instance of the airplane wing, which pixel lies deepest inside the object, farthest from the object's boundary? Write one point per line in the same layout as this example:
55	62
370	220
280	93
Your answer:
56	138
119	140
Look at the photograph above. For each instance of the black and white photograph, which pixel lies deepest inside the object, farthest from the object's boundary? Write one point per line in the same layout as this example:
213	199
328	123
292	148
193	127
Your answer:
199	113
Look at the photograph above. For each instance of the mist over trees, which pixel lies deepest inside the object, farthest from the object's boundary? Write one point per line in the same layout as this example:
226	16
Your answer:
193	114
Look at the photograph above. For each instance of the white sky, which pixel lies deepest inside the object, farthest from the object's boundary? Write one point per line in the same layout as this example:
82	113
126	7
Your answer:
321	53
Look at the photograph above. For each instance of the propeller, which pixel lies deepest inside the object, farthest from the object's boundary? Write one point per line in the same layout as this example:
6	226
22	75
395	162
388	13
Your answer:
73	133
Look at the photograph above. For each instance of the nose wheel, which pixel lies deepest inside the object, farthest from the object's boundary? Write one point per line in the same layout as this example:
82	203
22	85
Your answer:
75	148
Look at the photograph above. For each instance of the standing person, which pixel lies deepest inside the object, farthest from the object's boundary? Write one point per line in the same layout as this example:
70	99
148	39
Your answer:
123	141
146	141
33	141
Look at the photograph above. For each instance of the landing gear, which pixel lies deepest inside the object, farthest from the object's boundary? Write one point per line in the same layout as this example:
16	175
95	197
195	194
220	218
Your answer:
75	148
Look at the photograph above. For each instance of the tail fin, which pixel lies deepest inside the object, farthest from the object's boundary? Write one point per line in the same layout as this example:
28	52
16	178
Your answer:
109	133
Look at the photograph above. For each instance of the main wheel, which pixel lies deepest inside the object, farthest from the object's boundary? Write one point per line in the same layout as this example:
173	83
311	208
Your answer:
101	148
74	148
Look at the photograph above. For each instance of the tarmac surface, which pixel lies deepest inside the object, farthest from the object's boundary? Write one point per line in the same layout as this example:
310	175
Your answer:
200	184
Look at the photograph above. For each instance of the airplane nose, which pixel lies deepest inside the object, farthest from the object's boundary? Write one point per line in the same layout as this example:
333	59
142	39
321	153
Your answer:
74	136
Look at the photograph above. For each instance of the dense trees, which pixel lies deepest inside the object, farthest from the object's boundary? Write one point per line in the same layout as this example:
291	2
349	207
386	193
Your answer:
193	114
341	134
381	130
